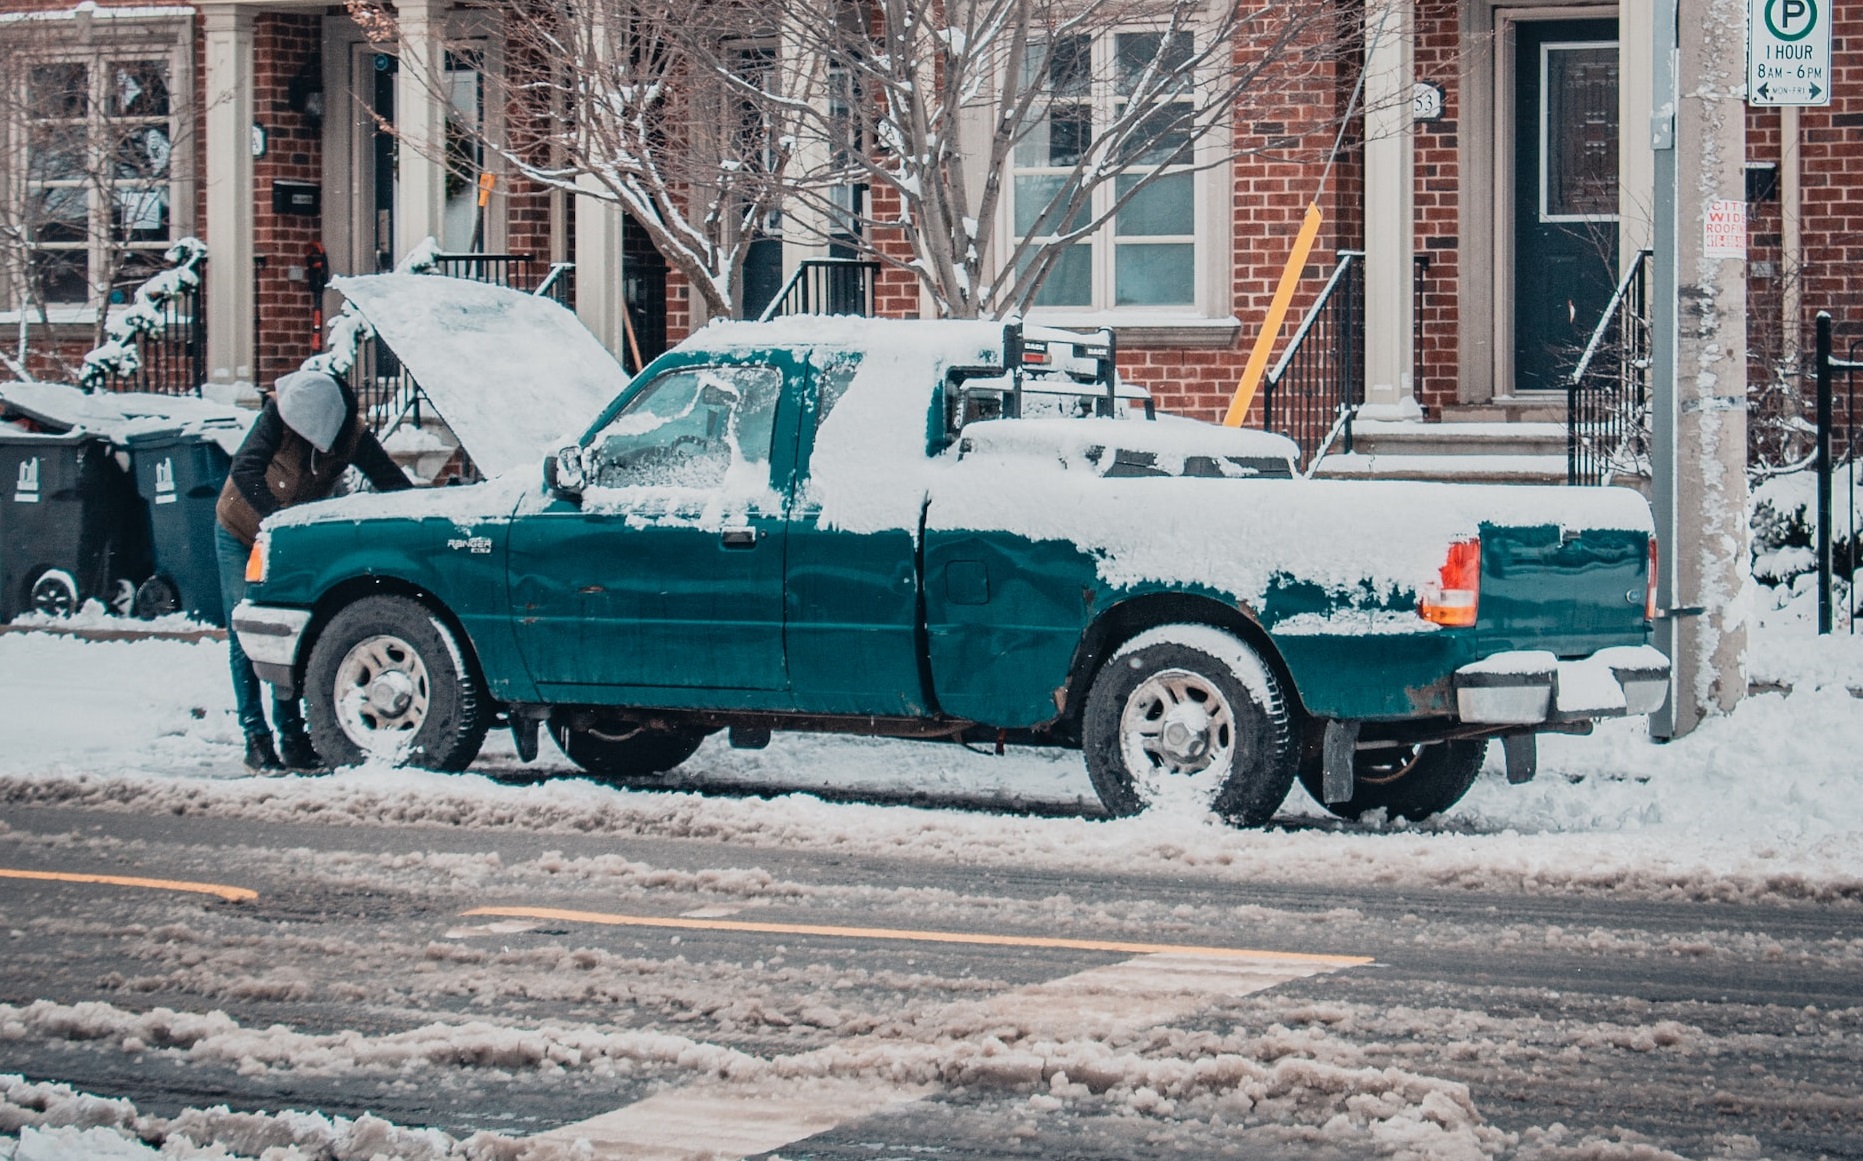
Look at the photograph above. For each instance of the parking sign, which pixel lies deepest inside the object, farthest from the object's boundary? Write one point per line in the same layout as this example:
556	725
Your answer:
1789	52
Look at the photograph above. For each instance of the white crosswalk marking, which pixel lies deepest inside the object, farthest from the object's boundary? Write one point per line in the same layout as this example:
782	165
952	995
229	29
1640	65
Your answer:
726	1120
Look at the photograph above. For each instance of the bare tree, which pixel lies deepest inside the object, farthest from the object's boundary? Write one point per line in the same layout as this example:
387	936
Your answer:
992	137
93	129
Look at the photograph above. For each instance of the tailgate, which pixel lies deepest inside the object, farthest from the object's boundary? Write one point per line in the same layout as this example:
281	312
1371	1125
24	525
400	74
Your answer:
1567	590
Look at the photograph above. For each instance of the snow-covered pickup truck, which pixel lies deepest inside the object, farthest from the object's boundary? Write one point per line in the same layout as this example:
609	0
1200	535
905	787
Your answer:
938	530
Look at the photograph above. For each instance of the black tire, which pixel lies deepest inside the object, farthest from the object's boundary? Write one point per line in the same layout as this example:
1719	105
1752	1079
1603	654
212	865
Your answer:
371	655
1234	751
1404	781
156	597
622	753
54	593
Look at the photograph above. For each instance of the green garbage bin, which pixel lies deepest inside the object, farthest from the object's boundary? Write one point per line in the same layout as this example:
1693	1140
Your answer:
179	476
71	524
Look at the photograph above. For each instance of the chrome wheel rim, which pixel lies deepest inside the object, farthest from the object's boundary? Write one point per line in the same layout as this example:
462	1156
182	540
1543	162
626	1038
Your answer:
382	695
1177	733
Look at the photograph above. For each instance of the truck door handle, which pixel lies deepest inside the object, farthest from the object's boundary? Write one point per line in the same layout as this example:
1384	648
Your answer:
738	538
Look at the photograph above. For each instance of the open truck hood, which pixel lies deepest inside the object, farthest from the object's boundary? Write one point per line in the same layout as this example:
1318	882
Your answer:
514	375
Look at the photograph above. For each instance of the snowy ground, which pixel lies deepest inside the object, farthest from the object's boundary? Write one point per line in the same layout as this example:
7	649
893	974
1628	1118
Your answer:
1763	803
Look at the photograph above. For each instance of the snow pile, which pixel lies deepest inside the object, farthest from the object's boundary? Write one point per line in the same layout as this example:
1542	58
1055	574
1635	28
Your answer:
122	416
53	1122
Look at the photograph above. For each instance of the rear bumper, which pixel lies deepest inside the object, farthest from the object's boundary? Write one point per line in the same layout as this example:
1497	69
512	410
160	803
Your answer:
270	638
1529	687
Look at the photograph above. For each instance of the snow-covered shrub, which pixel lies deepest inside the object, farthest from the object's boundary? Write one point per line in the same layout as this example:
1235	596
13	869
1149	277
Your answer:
1782	514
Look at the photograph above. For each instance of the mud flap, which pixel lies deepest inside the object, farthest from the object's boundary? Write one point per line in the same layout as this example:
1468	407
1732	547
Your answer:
1341	746
1523	756
524	734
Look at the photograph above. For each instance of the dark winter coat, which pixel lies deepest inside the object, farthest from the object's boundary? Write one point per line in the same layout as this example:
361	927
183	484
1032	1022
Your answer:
277	468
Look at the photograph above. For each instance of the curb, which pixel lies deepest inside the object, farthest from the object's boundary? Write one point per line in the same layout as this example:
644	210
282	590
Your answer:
103	633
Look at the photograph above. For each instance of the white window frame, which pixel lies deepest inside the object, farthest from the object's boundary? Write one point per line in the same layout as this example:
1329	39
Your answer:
95	39
1210	240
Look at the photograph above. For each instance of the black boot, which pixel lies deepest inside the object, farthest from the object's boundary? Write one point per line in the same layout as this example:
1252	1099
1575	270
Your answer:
298	752
260	757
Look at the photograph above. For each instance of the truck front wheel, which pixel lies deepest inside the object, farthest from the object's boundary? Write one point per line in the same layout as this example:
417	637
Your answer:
1189	716
388	681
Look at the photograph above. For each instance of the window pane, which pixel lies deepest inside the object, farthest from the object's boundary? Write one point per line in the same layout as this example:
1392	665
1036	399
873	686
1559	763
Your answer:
1580	131
1070	279
57	90
59	215
55	152
690	428
139	88
60	276
140	215
1154	275
1163	205
134	267
143	153
1134	52
1060	120
1034	193
1160	137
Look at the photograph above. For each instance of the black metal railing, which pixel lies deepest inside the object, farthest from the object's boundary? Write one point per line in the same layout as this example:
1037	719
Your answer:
170	356
826	286
1607	394
1835	536
1319	382
513	271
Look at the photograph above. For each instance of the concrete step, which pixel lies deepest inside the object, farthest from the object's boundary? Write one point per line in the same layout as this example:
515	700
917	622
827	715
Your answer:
1382	438
1463	468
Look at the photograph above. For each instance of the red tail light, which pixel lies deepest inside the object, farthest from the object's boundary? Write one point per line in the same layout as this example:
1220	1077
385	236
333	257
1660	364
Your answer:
1453	599
1649	593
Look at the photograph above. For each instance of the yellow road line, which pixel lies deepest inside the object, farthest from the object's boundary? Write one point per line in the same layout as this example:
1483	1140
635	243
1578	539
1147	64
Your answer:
684	924
230	894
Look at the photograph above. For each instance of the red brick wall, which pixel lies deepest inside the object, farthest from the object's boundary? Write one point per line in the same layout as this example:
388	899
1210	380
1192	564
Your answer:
284	45
1437	204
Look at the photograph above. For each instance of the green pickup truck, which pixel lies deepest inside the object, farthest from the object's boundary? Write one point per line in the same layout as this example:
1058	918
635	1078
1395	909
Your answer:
957	531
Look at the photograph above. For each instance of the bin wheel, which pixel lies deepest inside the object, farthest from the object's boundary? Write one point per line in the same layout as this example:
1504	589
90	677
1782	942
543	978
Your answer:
156	597
55	593
122	597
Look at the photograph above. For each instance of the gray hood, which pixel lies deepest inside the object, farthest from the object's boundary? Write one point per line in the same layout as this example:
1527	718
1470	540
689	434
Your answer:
312	405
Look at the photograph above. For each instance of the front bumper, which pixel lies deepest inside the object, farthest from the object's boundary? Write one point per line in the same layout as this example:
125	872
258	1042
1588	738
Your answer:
270	638
1528	687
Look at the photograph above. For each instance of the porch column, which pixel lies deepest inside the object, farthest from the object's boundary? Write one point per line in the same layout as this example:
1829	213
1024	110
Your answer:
420	122
599	298
227	88
1390	232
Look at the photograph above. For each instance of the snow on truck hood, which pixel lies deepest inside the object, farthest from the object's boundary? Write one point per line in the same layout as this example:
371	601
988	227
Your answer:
514	375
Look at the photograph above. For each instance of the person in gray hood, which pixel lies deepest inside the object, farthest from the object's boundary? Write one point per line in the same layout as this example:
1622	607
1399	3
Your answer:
308	434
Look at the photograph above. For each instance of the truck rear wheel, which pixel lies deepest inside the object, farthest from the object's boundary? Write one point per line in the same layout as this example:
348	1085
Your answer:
1189	716
388	681
1404	781
622	753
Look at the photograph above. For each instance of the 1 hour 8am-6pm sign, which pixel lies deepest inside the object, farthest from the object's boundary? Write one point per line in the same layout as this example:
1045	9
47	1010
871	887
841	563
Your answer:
1789	52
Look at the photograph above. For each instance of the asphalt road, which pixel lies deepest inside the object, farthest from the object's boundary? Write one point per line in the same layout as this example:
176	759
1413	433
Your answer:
357	981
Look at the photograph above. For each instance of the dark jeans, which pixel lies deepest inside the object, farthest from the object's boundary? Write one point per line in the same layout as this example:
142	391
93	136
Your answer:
285	713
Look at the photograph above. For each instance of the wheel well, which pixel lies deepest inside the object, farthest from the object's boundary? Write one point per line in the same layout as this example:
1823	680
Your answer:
340	596
1128	619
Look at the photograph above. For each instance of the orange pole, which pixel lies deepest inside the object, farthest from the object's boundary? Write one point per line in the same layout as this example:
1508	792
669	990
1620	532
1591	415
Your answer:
1277	314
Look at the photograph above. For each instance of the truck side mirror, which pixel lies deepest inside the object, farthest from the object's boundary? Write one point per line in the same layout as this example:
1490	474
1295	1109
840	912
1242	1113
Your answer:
563	474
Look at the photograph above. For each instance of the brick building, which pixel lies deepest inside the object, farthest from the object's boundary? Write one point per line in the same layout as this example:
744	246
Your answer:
1497	189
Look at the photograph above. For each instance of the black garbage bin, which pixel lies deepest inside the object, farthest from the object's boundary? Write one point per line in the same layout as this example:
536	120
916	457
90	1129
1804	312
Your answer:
71	524
179	475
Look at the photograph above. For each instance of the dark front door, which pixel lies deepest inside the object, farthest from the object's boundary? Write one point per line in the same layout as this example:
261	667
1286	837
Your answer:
1565	193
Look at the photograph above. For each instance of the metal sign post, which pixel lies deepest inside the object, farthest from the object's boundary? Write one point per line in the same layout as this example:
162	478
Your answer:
1663	309
1789	52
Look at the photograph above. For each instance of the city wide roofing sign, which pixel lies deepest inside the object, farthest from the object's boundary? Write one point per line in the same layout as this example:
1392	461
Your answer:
1789	52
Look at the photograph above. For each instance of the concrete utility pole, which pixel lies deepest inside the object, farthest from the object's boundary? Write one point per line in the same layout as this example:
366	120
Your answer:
1700	394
